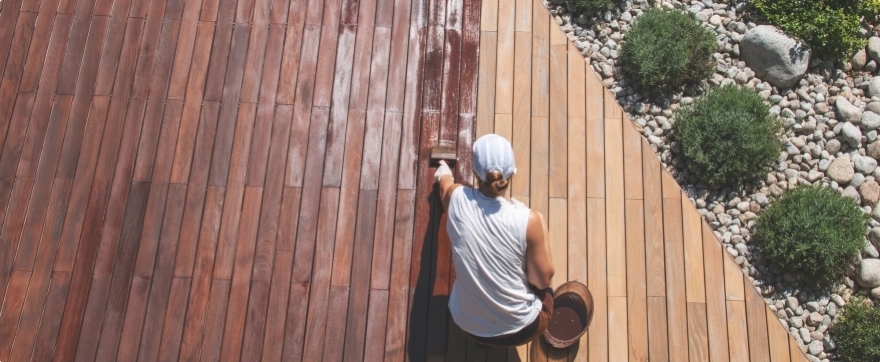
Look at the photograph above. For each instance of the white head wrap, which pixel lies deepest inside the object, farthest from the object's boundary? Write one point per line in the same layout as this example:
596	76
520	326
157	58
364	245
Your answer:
493	153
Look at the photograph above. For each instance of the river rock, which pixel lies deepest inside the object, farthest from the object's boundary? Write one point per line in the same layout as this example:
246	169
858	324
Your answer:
870	192
869	273
840	170
864	165
847	111
859	59
852	134
874	87
874	48
774	56
870	120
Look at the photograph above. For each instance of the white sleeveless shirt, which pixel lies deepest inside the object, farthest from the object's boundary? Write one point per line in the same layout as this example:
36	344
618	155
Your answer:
490	296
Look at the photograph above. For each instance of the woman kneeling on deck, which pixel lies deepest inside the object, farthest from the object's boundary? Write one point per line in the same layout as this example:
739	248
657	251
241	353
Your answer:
500	250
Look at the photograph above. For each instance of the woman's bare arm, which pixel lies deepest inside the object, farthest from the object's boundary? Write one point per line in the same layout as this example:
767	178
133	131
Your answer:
539	265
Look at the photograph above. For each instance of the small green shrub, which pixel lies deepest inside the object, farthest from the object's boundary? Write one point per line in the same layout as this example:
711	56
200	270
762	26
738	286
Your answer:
857	332
870	10
728	136
592	5
668	49
829	27
812	232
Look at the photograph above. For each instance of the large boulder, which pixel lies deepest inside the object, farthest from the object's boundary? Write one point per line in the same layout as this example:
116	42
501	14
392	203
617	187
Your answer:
847	112
874	87
869	273
841	170
774	56
874	48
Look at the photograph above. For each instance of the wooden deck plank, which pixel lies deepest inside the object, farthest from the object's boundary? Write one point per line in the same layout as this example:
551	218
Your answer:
597	279
43	104
356	321
738	330
797	355
196	195
13	304
320	278
235	190
595	139
293	48
227	124
190	122
123	269
522	88
615	206
504	81
486	84
540	61
15	62
12	226
450	105
716	311
693	252
558	121
339	110
362	59
396	90
172	332
162	288
557	222
778	339
41	274
214	318
50	323
577	199
148	49
636	285
257	47
398	293
384	224
220	51
149	143
345	228
675	279
93	112
203	269
43	185
658	342
86	33
267	234
539	193
120	160
276	312
618	335
327	53
733	280
756	315
335	325
698	339
237	311
81	277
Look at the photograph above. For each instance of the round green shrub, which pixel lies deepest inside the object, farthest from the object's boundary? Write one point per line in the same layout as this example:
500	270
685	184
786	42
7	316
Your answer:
857	331
811	232
668	49
829	27
592	5
728	136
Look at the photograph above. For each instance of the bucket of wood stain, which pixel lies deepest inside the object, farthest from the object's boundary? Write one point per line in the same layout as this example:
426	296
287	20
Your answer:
572	313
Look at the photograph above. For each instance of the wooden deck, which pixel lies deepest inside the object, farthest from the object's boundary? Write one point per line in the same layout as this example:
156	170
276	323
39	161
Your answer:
247	180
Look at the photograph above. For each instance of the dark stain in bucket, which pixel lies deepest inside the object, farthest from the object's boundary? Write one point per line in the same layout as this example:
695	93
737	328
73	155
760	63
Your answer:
569	317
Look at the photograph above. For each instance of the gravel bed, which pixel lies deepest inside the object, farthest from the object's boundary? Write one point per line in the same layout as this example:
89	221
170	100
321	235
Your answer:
831	115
